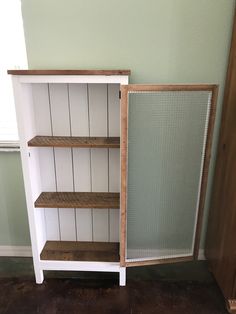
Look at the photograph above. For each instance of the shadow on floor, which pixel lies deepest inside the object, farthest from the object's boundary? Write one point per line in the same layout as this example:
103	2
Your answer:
186	288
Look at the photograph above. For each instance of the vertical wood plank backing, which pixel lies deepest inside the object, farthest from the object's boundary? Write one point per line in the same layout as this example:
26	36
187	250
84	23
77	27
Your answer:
41	109
98	109
113	110
81	157
114	156
99	168
83	184
99	157
49	184
61	125
114	186
46	159
79	109
65	183
59	109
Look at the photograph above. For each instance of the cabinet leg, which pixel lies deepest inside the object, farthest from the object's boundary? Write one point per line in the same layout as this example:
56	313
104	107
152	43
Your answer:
39	276
231	306
122	276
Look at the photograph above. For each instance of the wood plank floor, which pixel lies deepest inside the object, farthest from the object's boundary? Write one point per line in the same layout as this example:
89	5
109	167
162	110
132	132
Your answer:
185	288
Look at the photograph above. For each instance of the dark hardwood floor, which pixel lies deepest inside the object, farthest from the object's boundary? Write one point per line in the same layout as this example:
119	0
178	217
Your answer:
186	288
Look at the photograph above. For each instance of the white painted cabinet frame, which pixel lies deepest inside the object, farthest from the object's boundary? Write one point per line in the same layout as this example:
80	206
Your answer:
73	105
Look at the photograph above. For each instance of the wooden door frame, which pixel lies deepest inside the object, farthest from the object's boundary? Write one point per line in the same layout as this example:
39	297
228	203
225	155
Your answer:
125	89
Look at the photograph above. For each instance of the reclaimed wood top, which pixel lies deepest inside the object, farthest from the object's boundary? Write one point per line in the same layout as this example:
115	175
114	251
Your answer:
69	72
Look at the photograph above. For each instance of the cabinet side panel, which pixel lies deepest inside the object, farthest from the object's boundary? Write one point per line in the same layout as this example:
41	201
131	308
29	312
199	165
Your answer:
26	128
98	121
46	155
61	125
114	156
33	161
78	99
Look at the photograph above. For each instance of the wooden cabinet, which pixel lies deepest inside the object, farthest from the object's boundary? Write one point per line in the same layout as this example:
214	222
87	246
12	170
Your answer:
221	233
75	139
69	127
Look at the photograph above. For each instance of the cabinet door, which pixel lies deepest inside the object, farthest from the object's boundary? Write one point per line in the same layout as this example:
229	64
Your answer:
166	135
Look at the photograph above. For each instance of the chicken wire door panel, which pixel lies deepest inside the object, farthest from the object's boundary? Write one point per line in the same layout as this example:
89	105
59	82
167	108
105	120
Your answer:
166	139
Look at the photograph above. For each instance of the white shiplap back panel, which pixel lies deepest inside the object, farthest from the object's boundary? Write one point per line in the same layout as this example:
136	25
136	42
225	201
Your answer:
99	157
114	156
99	162
64	175
114	186
60	114
49	185
78	98
113	110
46	157
41	109
61	125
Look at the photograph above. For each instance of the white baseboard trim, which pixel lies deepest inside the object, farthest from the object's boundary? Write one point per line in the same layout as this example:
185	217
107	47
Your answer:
21	251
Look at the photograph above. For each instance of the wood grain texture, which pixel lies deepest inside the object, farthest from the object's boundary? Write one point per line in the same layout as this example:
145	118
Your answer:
80	251
221	231
75	141
162	88
78	200
69	72
205	172
159	261
113	109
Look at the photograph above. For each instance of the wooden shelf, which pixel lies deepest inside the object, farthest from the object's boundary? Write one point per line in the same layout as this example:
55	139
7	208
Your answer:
69	72
68	141
81	251
78	200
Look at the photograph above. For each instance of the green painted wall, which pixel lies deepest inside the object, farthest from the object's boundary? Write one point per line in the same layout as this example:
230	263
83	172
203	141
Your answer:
14	228
161	41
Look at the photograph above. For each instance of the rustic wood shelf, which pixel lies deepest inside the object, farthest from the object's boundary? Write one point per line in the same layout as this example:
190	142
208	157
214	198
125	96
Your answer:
81	251
78	200
69	72
69	141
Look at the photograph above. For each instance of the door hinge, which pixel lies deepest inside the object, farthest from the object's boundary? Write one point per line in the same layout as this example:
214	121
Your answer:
119	94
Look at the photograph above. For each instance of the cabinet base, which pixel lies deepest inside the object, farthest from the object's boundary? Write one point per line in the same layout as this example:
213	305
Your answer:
231	306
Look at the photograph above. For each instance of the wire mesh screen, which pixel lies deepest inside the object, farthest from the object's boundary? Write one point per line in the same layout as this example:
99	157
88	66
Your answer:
166	144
